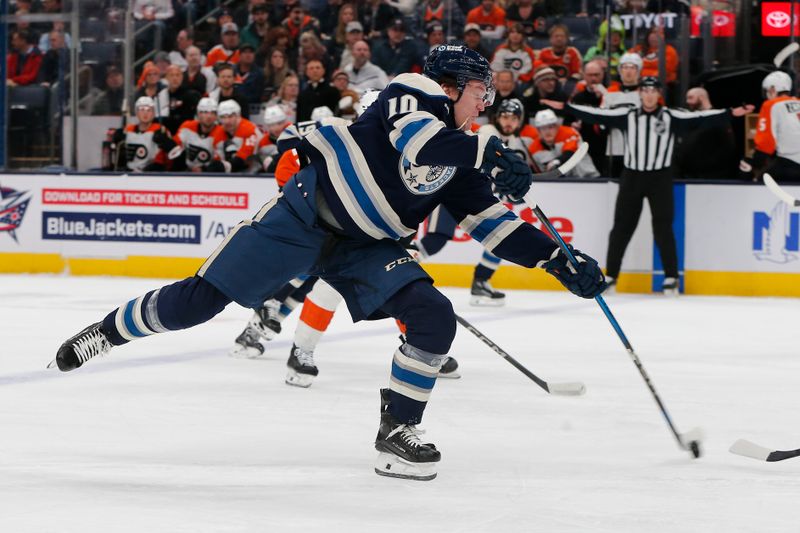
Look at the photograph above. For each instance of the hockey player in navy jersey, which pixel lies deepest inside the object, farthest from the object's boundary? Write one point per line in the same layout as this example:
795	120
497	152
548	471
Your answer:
361	188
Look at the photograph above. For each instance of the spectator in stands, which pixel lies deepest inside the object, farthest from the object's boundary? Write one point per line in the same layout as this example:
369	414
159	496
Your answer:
349	97
705	153
24	60
156	12
667	6
506	89
490	17
328	17
227	90
162	62
249	78
299	22
546	93
255	32
183	41
589	92
443	11
55	63
286	97
198	77
434	33
648	49
472	40
377	16
317	91
617	45
175	102
565	60
555	144
110	101
525	12
362	72
150	85
228	50
311	49
225	17
243	15
346	15
279	38
44	40
515	55
275	70
396	54
355	33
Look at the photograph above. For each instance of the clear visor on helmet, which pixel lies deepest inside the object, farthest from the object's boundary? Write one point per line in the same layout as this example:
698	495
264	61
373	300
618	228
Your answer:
488	98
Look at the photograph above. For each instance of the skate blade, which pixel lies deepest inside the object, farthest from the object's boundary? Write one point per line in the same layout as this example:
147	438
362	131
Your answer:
483	301
450	375
299	380
52	364
671	292
390	465
245	352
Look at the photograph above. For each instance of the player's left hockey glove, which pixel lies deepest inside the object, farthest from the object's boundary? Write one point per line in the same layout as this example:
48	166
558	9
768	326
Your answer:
511	175
163	140
587	281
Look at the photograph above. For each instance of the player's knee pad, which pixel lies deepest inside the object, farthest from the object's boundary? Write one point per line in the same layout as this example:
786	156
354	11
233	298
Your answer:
428	316
189	302
432	243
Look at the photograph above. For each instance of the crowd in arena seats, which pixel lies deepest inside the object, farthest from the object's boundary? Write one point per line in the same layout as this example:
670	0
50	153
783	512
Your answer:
300	55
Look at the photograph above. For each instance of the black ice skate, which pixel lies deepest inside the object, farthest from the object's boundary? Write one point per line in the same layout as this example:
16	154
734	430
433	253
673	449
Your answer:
670	287
401	453
484	295
302	369
611	287
449	368
264	324
89	343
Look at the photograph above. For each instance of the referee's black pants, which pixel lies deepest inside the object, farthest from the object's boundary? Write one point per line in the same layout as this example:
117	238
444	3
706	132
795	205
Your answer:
634	187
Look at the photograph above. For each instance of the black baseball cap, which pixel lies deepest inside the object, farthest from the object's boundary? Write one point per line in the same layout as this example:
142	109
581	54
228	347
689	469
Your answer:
650	81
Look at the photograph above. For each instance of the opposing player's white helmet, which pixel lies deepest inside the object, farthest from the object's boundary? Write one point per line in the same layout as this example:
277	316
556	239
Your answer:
631	59
274	115
144	101
229	107
545	117
321	112
778	80
207	105
366	99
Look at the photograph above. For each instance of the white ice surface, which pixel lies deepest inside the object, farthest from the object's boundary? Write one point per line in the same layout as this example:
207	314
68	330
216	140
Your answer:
168	434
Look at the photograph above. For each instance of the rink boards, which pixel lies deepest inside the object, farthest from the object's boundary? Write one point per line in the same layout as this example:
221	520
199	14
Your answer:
732	239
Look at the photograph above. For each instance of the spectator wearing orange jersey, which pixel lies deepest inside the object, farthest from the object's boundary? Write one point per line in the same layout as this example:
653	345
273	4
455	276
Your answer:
555	144
565	60
490	17
228	50
236	142
299	22
648	49
515	55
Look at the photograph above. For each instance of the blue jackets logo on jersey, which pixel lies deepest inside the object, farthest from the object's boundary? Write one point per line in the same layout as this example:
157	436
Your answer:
424	179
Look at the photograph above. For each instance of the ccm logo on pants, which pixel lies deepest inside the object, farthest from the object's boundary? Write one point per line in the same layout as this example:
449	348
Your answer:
396	262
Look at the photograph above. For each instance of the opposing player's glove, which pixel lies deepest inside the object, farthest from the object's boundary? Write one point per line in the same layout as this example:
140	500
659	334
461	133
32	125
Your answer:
587	281
118	136
163	140
511	175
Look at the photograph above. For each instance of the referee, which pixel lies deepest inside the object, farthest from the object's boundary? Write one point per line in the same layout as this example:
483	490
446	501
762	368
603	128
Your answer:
649	138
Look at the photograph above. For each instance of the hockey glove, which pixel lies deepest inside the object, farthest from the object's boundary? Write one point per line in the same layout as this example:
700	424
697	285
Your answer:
587	281
163	141
511	175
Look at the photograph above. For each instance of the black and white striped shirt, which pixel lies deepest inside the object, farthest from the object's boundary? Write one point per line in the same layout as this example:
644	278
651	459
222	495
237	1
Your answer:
649	137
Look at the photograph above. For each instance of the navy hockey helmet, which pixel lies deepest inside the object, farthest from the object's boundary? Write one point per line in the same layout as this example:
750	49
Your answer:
461	64
512	106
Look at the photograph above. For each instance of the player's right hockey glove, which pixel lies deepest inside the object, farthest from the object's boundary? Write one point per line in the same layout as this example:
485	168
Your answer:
587	281
511	175
119	136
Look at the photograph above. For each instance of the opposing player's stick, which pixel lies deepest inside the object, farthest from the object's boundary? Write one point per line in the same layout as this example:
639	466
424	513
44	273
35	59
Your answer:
689	441
750	449
558	389
778	191
785	52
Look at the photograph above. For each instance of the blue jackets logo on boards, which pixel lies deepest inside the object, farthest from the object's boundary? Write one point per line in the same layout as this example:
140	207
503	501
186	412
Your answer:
776	235
13	205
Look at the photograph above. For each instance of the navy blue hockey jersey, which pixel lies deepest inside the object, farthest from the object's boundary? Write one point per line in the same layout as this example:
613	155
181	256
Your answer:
382	175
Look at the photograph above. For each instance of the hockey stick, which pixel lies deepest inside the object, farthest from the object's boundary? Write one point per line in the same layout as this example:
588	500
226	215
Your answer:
785	52
689	441
778	191
558	389
753	450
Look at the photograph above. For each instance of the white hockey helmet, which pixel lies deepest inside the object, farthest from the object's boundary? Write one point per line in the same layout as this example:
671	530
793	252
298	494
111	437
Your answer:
144	101
207	105
274	115
631	59
366	99
545	117
228	107
321	112
778	80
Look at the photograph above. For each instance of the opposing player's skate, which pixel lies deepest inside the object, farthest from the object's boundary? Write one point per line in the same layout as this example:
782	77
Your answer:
264	324
449	368
401	453
670	287
483	294
302	369
90	342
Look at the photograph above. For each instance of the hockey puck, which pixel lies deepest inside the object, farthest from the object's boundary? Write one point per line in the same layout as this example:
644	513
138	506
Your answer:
694	447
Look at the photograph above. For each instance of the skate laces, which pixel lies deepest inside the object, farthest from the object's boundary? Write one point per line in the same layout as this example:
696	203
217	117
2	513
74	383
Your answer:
273	308
91	344
249	336
305	358
409	434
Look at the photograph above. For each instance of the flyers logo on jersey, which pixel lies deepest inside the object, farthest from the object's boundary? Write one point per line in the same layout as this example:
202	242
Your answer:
135	151
423	179
198	153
